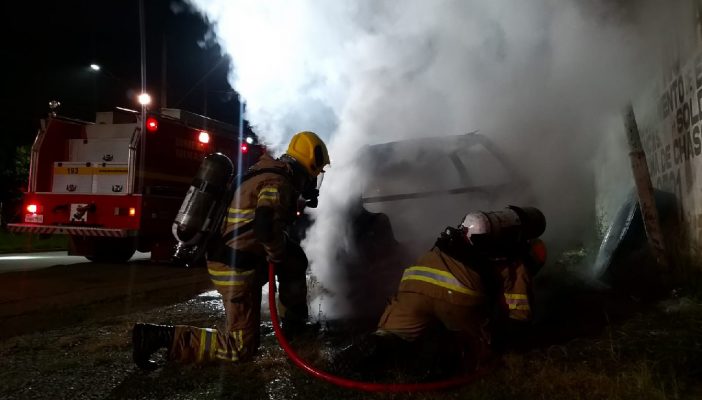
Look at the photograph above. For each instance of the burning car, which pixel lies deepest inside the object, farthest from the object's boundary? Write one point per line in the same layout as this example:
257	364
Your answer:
414	189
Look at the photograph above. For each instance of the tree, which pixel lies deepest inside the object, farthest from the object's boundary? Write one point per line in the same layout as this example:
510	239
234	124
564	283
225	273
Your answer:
14	178
21	170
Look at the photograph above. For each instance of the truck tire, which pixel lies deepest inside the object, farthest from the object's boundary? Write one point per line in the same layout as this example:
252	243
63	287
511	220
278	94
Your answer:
112	250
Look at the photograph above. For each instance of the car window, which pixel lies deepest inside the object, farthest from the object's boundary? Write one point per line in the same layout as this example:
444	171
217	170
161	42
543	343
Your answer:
429	165
482	167
410	169
424	185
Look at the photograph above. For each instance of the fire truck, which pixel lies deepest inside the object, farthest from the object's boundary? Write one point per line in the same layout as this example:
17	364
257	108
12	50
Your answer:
115	185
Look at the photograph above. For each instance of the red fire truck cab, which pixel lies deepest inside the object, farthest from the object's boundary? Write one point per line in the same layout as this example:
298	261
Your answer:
115	185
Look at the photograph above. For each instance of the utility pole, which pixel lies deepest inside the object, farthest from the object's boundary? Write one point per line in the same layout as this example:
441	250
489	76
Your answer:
142	48
164	61
204	97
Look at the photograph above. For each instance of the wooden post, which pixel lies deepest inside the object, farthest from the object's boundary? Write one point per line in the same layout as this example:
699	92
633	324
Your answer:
644	188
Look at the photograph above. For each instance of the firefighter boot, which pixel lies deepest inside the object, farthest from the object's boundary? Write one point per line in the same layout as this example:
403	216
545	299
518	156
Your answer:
292	308
146	339
371	356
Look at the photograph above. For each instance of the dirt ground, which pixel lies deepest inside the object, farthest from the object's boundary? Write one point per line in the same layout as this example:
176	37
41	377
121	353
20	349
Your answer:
595	345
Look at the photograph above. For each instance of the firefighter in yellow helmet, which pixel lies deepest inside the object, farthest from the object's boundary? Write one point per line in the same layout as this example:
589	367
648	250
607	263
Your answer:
254	233
474	283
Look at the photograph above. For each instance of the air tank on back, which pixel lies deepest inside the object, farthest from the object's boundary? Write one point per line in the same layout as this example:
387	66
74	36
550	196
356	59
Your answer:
203	207
495	229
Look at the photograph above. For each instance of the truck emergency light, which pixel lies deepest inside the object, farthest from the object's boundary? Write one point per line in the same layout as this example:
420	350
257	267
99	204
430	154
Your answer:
203	137
151	124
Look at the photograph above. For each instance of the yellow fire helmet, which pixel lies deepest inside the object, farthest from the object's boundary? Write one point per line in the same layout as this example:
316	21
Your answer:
310	151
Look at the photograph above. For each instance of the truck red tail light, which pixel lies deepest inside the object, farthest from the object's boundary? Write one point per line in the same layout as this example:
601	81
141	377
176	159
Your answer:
151	124
34	214
244	148
132	211
203	137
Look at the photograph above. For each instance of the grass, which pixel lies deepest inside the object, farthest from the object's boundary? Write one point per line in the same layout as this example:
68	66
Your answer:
24	242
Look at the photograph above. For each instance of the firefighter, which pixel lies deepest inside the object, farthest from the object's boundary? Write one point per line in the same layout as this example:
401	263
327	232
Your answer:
255	232
474	283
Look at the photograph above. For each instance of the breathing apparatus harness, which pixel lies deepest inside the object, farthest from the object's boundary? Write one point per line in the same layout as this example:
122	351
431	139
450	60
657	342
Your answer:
197	225
484	238
452	242
218	249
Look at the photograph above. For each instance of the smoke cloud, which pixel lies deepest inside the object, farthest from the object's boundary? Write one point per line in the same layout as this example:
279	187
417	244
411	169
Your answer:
542	79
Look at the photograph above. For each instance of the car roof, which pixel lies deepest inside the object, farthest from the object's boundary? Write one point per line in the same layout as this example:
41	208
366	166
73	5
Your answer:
435	166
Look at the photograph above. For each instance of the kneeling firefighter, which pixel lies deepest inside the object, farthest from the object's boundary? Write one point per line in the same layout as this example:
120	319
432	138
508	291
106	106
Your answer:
253	233
473	286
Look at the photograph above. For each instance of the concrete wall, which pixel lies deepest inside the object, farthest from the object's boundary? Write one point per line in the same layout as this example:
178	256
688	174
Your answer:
669	114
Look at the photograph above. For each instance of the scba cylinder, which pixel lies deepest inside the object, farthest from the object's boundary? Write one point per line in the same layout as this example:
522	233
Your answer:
504	227
197	214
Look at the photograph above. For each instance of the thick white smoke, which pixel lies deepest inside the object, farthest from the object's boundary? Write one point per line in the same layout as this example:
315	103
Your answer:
541	78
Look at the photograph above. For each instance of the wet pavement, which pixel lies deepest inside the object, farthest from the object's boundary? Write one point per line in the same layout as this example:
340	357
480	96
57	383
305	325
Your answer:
93	360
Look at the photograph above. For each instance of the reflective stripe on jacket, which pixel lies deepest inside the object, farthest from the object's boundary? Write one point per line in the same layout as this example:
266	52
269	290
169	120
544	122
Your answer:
516	286
240	215
437	277
440	276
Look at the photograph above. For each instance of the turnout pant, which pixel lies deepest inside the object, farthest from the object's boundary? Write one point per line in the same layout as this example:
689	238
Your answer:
241	296
410	315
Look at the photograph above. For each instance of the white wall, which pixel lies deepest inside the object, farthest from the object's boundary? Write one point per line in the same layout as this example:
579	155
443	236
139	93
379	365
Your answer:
669	114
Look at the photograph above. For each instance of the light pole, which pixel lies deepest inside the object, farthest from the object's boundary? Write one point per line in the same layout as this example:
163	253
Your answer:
97	70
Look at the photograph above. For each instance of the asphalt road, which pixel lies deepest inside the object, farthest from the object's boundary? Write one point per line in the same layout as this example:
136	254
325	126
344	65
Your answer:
49	290
39	260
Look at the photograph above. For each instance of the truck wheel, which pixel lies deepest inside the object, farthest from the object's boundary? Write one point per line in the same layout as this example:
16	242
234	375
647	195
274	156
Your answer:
112	250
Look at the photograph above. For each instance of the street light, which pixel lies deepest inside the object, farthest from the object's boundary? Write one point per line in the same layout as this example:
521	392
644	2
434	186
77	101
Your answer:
95	67
144	99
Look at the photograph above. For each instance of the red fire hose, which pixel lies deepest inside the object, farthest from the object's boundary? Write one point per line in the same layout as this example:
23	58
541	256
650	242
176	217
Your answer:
352	384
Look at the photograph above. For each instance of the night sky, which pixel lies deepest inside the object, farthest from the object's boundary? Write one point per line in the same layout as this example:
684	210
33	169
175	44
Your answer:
48	47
